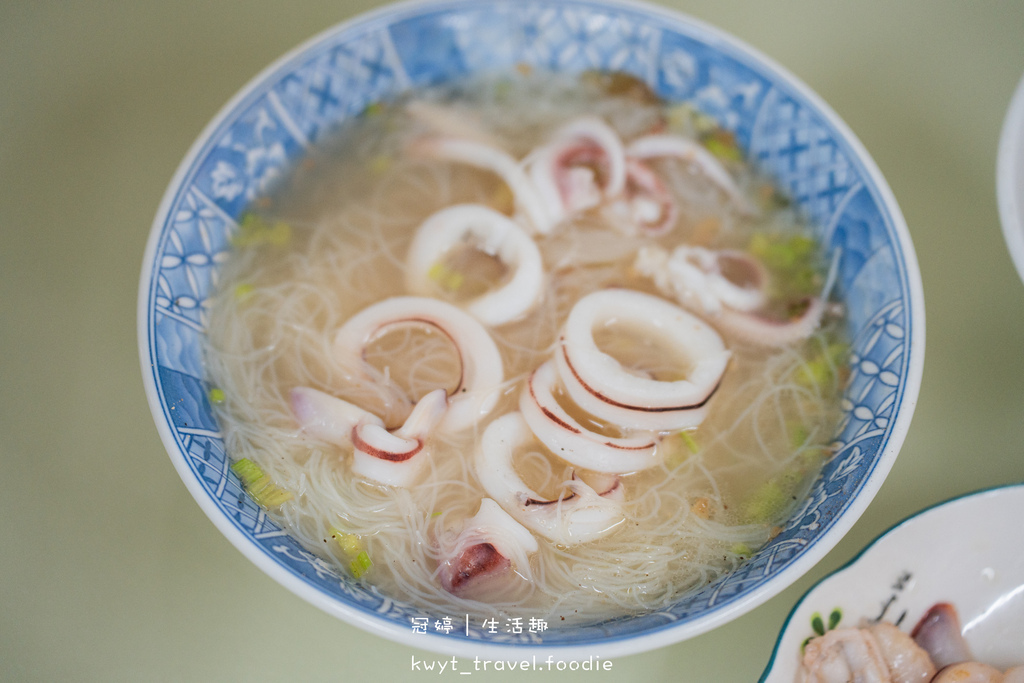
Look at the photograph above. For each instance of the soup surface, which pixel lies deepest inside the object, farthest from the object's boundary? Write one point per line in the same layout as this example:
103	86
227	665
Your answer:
334	238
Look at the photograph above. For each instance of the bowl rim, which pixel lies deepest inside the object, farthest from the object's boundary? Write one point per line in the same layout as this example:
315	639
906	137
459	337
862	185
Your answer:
619	645
1010	177
853	561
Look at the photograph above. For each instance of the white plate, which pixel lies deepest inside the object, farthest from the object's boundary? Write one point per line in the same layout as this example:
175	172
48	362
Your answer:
967	551
1010	178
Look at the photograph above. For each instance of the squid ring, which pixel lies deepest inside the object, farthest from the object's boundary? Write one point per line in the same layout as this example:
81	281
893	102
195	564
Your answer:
497	236
599	384
691	152
583	515
496	160
563	171
481	373
646	205
695	277
571	441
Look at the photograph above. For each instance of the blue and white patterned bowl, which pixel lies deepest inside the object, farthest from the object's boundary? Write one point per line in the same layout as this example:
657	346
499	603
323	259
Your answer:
783	126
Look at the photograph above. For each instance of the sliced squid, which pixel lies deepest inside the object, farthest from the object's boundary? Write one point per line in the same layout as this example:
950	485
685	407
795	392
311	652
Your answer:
582	166
394	458
328	418
907	662
574	443
758	330
700	279
581	516
490	544
494	234
938	632
397	458
477	389
969	672
496	160
694	154
843	655
599	384
880	653
646	206
883	653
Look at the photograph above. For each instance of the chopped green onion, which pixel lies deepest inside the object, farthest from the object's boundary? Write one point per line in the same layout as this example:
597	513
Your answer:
380	163
243	290
436	514
255	231
767	503
686	119
373	109
741	549
280	234
681	446
821	369
502	90
349	543
798	435
794	260
815	373
811	454
216	395
247	471
274	496
772	498
257	487
722	144
360	565
444	276
260	487
689	442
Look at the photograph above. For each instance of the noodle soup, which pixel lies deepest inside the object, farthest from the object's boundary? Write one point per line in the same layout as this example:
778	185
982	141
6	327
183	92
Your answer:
336	238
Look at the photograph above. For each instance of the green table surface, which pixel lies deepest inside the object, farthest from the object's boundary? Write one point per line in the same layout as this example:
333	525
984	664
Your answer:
108	569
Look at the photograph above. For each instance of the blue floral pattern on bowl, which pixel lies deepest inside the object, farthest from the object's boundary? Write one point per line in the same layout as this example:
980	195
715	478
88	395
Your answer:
783	127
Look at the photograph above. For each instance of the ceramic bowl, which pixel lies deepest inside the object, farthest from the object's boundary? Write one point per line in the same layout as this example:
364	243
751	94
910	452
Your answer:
962	551
788	131
1010	178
